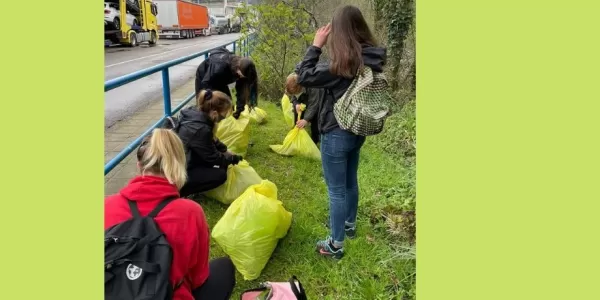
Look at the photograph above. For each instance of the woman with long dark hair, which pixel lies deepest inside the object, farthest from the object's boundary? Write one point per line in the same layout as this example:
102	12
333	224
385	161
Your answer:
223	68
351	46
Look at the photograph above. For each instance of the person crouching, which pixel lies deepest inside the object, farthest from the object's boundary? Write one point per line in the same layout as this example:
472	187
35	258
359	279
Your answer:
207	158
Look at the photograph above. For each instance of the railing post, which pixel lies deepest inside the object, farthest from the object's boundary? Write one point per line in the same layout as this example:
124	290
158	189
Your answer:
244	47
234	42
166	91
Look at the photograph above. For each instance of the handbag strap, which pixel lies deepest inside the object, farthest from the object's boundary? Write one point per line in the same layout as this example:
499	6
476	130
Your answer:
297	290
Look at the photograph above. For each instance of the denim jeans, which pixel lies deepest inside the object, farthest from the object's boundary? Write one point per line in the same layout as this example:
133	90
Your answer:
340	151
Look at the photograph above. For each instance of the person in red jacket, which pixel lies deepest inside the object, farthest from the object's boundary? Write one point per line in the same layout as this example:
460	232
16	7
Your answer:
161	161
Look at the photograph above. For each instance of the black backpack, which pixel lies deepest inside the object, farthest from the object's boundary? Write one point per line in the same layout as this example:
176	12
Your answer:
137	258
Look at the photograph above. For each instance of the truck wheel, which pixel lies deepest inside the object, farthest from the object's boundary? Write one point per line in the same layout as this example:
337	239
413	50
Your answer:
132	39
117	23
152	38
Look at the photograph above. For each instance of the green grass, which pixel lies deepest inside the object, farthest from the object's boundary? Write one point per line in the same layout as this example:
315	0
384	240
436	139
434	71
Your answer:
377	265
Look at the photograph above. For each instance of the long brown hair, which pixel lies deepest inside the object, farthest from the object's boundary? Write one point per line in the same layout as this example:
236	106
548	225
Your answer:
162	154
349	31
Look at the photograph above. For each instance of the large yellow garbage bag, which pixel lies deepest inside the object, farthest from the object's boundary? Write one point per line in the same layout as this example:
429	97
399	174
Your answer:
239	178
235	134
249	230
257	114
288	113
298	143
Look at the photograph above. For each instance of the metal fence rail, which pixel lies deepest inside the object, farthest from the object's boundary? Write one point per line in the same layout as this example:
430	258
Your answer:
164	68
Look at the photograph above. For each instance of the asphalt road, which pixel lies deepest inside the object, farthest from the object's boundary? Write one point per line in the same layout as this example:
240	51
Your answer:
126	100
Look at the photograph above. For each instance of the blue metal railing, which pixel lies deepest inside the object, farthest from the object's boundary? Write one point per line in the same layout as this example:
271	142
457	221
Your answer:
164	68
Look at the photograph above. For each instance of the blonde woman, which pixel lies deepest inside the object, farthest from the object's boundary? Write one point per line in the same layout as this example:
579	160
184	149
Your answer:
161	163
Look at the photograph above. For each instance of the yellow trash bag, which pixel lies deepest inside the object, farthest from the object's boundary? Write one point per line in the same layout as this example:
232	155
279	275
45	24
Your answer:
235	134
298	143
288	113
249	230
257	114
239	178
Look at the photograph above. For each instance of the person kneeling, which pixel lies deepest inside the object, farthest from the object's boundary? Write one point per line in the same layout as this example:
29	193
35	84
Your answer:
207	158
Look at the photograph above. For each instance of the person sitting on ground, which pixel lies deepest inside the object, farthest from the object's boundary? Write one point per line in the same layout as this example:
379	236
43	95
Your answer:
223	68
351	46
207	157
161	163
310	98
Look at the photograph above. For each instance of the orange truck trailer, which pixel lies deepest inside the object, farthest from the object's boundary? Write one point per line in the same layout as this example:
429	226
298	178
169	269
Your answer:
181	19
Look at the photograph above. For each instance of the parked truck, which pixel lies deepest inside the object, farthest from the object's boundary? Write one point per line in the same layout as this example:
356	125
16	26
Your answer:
226	24
135	22
182	19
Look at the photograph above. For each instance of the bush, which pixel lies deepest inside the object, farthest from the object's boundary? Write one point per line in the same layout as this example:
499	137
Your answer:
281	35
399	136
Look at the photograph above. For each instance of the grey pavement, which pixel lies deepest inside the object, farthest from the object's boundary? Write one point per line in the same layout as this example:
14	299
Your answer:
124	132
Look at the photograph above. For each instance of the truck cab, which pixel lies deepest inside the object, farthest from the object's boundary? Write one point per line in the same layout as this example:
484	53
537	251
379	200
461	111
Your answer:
143	28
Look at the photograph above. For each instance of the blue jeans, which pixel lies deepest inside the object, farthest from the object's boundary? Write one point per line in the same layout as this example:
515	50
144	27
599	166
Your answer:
340	151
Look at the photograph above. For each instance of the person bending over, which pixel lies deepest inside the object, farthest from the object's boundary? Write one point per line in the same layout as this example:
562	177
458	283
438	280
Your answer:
161	163
223	68
207	157
311	98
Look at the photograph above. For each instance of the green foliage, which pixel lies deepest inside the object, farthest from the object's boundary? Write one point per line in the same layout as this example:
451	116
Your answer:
379	264
399	136
281	34
396	17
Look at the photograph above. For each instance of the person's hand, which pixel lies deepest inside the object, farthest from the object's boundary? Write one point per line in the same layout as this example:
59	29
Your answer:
301	124
321	36
299	108
236	159
229	153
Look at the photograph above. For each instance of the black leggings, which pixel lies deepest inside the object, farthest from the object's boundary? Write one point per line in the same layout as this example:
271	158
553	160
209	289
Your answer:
220	281
202	179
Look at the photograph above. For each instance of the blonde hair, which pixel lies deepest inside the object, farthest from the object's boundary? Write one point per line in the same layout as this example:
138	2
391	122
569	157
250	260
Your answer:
291	84
162	153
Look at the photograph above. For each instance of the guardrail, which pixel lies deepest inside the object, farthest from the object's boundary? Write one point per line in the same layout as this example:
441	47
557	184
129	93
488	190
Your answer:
245	49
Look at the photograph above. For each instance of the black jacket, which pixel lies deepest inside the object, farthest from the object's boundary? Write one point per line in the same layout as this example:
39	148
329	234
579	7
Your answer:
313	75
202	149
215	73
311	98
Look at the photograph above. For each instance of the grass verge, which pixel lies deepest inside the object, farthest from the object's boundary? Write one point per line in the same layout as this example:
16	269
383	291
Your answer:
378	264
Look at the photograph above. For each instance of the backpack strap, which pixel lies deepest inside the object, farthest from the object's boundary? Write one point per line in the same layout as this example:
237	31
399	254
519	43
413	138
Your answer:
134	209
160	206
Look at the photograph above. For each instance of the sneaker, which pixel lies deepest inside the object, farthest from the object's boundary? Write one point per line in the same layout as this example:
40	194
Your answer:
350	231
326	248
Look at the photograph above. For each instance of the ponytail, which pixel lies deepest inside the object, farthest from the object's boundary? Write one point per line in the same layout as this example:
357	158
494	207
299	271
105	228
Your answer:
209	100
163	154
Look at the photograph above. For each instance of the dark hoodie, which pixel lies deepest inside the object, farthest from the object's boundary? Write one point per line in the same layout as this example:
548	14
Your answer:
314	75
216	73
202	149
